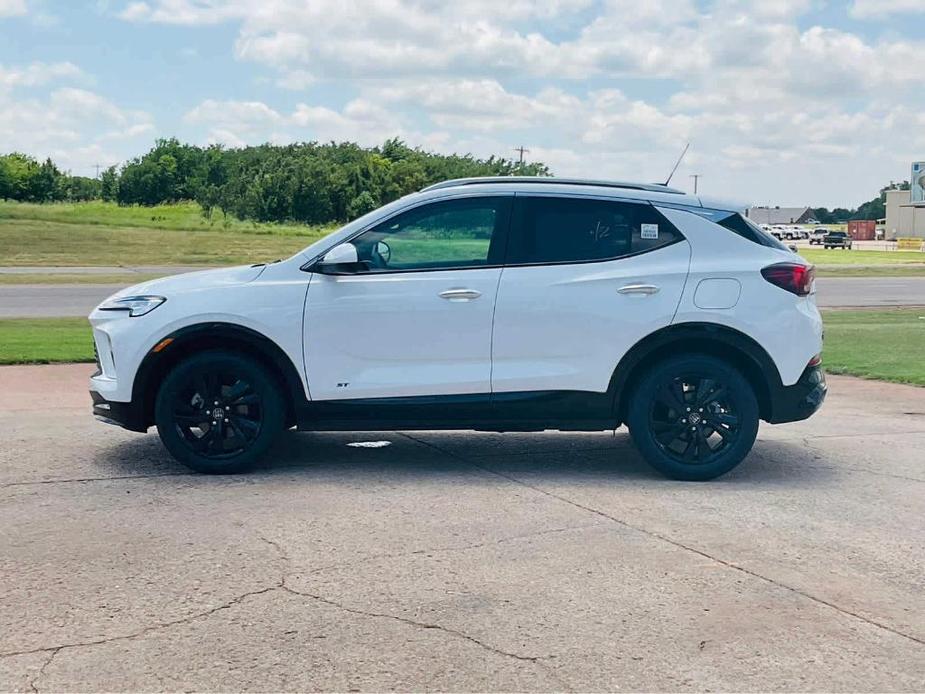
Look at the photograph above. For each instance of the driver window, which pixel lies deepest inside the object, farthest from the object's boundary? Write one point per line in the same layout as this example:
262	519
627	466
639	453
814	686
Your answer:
451	234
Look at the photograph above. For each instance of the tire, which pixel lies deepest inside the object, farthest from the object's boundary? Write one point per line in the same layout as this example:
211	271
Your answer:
230	436
719	397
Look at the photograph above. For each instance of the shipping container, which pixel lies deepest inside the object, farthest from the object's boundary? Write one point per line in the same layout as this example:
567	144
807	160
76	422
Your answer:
862	229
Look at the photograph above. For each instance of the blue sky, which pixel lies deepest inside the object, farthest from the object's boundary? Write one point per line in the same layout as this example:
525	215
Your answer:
785	101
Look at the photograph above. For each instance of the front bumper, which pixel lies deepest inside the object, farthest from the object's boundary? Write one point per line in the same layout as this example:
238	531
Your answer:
801	400
124	414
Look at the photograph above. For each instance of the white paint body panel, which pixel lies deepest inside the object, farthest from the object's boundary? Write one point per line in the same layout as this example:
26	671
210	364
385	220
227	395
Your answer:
788	327
387	335
267	299
565	327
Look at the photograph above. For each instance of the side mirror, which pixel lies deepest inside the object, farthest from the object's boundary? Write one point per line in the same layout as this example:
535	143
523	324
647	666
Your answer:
340	260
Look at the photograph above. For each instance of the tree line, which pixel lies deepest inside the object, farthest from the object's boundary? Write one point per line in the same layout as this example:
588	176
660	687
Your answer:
305	182
872	209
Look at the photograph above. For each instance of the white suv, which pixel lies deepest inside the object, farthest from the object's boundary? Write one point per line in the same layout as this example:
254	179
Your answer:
494	304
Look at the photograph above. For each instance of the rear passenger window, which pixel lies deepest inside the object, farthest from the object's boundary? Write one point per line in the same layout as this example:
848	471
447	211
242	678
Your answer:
575	230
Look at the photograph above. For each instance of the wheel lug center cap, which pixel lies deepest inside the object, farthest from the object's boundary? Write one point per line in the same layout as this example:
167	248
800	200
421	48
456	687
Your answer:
218	413
694	418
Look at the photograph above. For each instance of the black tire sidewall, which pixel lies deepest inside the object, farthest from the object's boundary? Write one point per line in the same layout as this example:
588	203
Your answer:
644	393
251	371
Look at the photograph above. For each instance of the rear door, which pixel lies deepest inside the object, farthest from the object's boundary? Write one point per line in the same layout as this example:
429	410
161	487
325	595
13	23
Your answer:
584	280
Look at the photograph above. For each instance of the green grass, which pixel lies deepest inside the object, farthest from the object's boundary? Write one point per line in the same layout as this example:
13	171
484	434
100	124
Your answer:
885	345
39	242
183	216
45	340
126	278
870	271
835	256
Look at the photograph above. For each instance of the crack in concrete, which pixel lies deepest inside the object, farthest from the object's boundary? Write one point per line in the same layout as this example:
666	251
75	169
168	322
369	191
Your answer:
417	624
536	660
148	629
33	682
680	545
77	480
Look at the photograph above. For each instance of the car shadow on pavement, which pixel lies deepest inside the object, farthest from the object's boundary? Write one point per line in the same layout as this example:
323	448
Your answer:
403	457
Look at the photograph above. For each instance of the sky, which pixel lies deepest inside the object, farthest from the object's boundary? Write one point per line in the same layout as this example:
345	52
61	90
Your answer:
784	102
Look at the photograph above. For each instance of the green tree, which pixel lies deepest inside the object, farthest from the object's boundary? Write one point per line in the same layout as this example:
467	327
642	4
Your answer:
109	184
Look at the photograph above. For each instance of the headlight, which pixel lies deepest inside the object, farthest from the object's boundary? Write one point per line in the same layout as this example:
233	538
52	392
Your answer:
135	305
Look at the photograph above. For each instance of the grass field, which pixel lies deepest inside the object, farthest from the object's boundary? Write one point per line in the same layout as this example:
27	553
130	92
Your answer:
884	345
45	340
819	256
183	216
37	242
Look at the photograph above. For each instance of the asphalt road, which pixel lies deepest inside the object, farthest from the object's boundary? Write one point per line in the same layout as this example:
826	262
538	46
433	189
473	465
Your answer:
460	561
37	300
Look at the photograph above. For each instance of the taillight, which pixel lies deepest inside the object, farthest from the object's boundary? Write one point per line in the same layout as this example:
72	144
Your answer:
796	279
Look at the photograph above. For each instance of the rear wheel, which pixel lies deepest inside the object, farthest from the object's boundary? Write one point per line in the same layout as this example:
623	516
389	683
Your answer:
218	412
693	417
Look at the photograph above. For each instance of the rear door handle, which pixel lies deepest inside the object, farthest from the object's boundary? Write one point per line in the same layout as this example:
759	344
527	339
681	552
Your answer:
460	294
638	289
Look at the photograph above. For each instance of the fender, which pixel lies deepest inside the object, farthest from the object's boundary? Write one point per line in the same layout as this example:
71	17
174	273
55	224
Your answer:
214	335
707	338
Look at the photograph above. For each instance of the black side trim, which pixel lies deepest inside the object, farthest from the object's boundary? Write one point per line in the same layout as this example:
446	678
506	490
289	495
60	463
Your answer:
127	415
520	411
801	400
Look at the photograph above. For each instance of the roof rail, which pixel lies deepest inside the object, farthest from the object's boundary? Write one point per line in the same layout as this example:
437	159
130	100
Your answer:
651	187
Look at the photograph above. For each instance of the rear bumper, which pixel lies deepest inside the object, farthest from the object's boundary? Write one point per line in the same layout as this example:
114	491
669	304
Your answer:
124	414
801	400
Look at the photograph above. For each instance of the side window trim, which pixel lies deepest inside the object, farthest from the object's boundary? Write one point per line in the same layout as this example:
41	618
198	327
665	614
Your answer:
515	219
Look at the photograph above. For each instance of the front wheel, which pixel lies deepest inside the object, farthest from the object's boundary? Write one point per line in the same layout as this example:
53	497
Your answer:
693	417
218	412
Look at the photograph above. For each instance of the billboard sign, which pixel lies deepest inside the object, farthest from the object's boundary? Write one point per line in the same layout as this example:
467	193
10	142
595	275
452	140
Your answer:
918	182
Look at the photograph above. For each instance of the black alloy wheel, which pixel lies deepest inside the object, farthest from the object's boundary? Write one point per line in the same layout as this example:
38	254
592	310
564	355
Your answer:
693	417
218	412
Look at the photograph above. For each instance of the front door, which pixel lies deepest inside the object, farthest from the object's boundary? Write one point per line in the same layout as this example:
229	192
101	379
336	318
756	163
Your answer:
418	320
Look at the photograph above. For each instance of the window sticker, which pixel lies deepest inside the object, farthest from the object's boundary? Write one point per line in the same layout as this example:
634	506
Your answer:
649	231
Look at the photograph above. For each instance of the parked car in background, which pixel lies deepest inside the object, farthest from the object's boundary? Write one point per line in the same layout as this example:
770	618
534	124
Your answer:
494	304
837	239
816	236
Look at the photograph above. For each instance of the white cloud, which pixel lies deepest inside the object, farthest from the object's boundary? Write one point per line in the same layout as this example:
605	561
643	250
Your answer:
35	74
863	9
73	126
12	8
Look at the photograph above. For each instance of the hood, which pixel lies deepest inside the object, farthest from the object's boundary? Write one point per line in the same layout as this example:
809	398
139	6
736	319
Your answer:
203	279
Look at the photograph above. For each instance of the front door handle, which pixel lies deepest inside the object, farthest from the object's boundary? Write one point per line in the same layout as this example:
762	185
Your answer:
638	289
460	294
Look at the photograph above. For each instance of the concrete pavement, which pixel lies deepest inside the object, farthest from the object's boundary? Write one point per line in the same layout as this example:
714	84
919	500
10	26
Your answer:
460	561
36	300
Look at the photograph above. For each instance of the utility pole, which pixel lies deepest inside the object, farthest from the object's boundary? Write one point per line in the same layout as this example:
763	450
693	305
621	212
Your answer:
97	167
696	178
521	150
